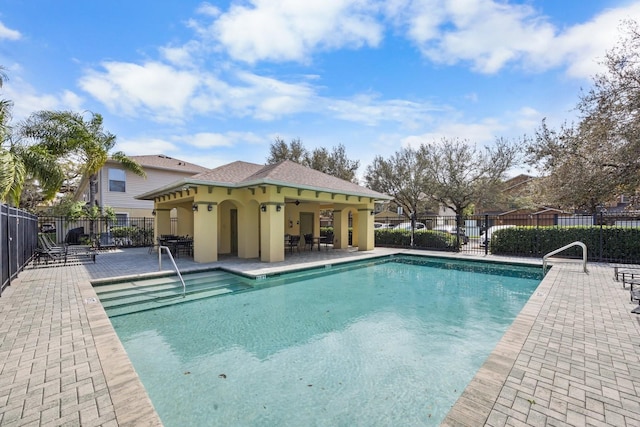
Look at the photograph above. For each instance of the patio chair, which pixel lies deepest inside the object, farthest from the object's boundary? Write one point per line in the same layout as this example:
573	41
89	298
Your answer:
328	240
308	241
293	242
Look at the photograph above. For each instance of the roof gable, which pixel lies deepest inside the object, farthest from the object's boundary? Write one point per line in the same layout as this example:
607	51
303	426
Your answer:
231	173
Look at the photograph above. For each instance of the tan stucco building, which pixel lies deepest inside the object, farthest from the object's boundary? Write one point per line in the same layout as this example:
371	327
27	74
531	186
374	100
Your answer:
247	209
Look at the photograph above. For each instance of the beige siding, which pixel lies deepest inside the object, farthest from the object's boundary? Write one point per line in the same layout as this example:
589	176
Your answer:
135	185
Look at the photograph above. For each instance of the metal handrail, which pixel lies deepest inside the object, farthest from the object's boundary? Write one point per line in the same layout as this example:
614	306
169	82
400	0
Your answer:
584	255
160	248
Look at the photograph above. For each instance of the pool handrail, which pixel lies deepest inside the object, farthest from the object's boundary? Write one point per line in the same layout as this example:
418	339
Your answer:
160	248
584	255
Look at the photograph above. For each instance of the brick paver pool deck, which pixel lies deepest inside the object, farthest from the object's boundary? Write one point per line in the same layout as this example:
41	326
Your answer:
571	357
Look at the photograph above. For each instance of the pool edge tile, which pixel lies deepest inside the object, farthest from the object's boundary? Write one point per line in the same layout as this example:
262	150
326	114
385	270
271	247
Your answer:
130	400
499	364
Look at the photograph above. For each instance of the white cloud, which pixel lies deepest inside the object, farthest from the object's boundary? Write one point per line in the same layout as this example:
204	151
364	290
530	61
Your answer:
177	55
512	125
582	47
371	111
8	33
136	90
491	34
166	93
205	149
526	120
260	97
483	132
208	9
291	30
143	146
213	140
486	33
27	100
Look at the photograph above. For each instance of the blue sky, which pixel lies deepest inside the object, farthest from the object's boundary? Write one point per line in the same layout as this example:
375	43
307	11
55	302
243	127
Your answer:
216	82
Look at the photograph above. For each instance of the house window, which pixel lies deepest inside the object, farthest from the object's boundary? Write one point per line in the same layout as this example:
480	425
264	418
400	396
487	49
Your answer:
122	219
117	180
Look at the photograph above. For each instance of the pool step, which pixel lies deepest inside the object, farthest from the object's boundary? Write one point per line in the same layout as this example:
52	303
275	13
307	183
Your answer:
145	294
136	287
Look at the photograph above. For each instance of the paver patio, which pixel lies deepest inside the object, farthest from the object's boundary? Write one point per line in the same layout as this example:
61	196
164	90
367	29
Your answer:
571	357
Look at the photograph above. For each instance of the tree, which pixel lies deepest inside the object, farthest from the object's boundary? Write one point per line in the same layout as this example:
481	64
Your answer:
459	175
577	175
20	163
68	134
403	177
335	163
452	173
589	163
279	151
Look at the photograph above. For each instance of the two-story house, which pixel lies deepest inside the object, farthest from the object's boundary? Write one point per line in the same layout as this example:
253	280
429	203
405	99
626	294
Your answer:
117	187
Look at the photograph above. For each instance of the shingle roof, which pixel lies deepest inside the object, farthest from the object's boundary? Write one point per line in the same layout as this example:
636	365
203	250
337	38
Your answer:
231	173
286	173
290	174
161	161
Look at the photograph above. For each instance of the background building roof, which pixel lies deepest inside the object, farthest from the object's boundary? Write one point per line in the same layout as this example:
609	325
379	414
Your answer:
161	161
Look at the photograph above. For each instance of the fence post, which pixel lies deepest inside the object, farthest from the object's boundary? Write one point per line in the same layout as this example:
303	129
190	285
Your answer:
486	229
458	220
4	247
601	237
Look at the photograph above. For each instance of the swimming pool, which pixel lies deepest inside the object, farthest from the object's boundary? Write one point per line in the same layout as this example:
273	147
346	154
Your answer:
391	342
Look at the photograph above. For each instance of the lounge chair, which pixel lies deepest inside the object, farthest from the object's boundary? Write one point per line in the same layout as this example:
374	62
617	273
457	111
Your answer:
50	253
625	273
634	294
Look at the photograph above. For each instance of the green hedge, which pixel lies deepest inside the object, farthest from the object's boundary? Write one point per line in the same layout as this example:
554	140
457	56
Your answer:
423	239
603	243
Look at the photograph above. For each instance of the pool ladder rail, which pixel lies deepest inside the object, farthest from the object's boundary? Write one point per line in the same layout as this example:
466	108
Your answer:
570	245
166	248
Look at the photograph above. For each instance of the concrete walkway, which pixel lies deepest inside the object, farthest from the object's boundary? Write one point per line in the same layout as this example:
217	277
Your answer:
572	356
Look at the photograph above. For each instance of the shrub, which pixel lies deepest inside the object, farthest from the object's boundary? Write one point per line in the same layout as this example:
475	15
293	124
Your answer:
603	243
423	239
132	236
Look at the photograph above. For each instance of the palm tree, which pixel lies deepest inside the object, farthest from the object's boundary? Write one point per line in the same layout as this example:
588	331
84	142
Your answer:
66	133
19	162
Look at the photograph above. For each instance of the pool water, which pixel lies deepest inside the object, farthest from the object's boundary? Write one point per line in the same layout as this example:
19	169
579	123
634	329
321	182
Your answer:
389	343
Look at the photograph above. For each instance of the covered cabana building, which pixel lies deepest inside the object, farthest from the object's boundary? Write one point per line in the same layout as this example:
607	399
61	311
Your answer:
246	209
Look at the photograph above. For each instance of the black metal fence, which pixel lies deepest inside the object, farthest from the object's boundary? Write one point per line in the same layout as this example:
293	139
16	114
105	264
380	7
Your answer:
18	242
127	232
609	237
